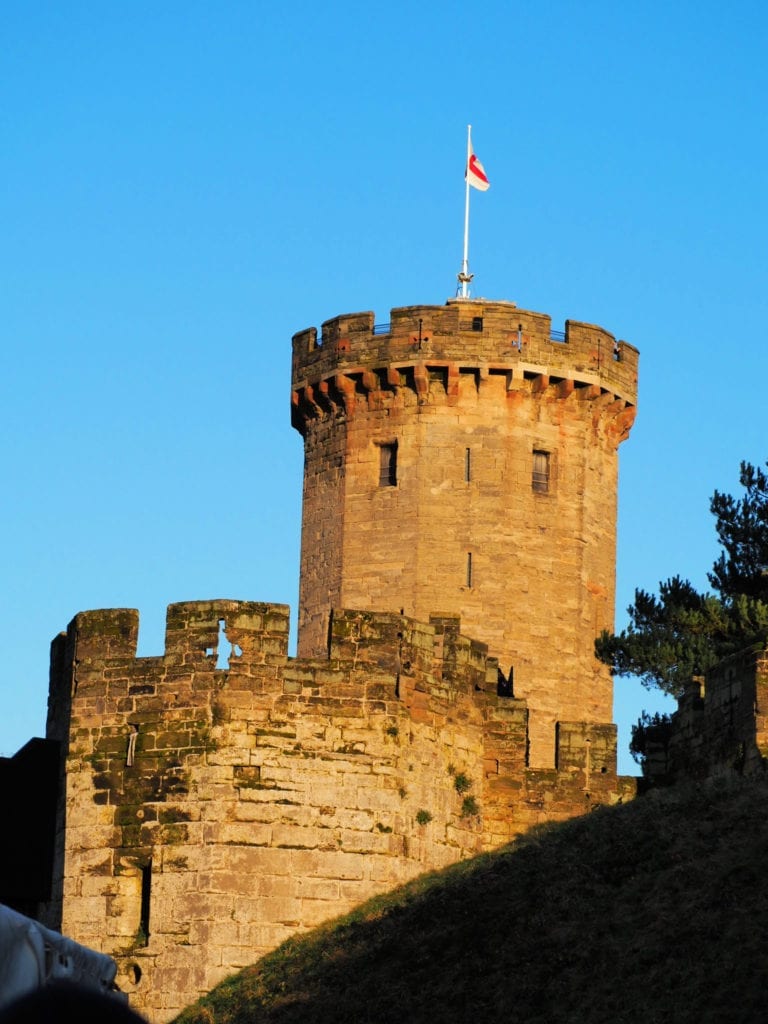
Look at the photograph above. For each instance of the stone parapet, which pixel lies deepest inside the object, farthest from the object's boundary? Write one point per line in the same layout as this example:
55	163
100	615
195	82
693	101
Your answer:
354	356
720	726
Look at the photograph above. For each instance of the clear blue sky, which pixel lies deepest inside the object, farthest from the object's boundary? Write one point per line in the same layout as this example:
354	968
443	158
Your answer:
186	184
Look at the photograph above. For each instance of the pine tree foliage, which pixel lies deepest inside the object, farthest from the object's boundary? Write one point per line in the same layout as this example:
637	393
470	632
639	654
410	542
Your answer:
742	530
683	633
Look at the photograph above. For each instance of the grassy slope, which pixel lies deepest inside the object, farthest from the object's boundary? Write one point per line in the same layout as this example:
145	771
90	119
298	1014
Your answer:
654	911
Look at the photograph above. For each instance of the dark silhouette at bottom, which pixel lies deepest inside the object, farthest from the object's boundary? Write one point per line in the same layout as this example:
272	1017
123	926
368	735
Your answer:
64	1001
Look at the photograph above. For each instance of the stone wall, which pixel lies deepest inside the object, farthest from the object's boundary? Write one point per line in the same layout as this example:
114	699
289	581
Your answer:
209	813
469	394
720	726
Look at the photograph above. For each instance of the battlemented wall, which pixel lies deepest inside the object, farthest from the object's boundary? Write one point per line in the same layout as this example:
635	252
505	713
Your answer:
467	394
720	726
209	813
221	797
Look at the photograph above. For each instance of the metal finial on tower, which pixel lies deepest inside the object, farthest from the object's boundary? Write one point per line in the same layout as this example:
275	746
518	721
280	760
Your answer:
474	175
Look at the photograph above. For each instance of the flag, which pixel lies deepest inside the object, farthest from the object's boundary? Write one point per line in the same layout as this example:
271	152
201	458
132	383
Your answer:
475	174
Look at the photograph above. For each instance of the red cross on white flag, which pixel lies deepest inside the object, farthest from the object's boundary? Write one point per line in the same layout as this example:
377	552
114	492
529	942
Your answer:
475	174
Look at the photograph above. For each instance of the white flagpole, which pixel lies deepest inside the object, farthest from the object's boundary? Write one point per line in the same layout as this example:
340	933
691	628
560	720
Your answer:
465	277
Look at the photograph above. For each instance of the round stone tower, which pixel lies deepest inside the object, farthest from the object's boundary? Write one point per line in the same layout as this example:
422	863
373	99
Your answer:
462	460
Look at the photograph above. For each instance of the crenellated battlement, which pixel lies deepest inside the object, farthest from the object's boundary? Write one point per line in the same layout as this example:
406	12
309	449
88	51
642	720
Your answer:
254	633
205	639
720	726
222	796
354	355
385	663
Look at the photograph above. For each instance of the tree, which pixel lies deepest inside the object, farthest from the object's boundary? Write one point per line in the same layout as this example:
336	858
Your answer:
742	529
649	731
683	633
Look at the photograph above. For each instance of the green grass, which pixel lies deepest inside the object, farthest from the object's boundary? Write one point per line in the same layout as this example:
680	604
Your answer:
461	782
653	912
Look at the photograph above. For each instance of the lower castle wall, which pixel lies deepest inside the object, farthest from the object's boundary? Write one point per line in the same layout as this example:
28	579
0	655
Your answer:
720	726
208	814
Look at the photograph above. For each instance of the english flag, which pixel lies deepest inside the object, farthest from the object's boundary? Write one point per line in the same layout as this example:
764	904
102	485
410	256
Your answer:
475	174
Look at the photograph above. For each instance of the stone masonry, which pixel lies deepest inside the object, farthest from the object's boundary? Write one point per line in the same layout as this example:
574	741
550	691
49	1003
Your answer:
720	726
209	813
502	504
457	562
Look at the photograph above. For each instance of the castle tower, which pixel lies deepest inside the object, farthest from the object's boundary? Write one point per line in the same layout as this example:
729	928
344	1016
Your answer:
462	460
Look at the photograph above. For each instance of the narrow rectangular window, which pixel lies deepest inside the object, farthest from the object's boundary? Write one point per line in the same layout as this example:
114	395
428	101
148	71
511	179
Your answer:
388	465
477	323
146	893
467	465
540	479
469	568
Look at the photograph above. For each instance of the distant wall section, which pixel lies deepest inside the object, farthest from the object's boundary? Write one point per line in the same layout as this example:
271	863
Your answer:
720	726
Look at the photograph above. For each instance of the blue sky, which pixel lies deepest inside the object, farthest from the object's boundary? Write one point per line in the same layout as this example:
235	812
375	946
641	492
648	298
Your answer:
186	184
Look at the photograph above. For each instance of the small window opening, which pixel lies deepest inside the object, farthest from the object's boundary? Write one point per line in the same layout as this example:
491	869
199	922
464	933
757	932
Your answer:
388	465
505	686
477	323
224	650
222	654
467	465
146	890
540	479
469	568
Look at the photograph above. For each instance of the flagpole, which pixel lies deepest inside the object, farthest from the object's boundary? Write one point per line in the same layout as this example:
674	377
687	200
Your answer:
465	277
